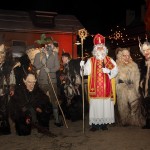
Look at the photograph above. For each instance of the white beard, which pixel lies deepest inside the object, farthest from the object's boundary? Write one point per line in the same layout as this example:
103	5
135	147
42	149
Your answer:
99	55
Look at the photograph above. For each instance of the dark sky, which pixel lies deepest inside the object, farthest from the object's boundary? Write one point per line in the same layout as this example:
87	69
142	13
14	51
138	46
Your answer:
96	16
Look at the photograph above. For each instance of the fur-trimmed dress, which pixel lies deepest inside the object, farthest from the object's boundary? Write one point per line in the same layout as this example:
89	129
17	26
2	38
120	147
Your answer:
128	96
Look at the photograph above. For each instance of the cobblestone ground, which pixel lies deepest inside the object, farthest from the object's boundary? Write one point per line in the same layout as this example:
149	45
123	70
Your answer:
78	137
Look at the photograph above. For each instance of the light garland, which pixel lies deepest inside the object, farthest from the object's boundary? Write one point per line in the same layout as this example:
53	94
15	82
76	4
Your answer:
118	35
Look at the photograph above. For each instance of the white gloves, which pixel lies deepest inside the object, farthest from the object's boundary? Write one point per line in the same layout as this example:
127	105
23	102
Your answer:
105	70
82	63
81	69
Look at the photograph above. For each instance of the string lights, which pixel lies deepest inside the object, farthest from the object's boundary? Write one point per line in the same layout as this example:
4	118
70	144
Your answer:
119	36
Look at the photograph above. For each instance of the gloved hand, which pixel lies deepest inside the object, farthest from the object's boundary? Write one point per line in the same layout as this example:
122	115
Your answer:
43	61
106	70
47	70
82	63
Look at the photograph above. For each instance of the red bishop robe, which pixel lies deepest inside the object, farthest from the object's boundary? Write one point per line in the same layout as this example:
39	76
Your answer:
100	84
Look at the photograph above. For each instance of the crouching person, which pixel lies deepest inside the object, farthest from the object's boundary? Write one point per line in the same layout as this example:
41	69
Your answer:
30	107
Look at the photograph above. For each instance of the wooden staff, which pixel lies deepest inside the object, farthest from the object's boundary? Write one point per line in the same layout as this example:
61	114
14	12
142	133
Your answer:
57	100
82	34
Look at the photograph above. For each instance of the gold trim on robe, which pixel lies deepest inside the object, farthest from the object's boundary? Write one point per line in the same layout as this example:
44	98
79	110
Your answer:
100	84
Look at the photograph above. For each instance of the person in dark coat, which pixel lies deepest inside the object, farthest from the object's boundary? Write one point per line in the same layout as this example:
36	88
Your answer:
71	88
145	82
29	106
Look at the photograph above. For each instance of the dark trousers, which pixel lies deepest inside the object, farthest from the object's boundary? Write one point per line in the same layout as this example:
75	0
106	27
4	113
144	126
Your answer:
4	121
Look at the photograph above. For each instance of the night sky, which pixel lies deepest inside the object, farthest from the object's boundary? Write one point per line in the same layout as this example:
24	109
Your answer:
96	16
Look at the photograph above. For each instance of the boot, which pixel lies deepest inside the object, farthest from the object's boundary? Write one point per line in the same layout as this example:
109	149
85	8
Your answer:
57	123
147	126
5	127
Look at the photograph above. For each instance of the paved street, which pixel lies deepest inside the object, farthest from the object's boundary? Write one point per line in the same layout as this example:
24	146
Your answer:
75	137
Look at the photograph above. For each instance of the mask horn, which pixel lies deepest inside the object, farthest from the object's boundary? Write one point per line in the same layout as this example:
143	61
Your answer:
146	38
140	44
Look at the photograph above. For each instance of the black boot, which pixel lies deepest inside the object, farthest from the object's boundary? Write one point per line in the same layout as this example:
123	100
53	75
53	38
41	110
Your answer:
104	127
147	126
4	124
94	128
5	127
58	121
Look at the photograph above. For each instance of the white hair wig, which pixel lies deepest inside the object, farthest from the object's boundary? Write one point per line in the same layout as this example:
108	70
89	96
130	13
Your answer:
96	47
100	54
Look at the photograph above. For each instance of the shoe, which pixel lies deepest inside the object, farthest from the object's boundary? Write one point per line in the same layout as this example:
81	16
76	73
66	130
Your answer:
146	127
93	129
58	124
104	127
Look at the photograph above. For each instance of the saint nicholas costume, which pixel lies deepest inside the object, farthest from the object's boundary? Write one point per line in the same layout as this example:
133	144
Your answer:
101	105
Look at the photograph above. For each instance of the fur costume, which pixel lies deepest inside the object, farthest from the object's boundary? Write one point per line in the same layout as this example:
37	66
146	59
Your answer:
31	53
7	83
127	90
